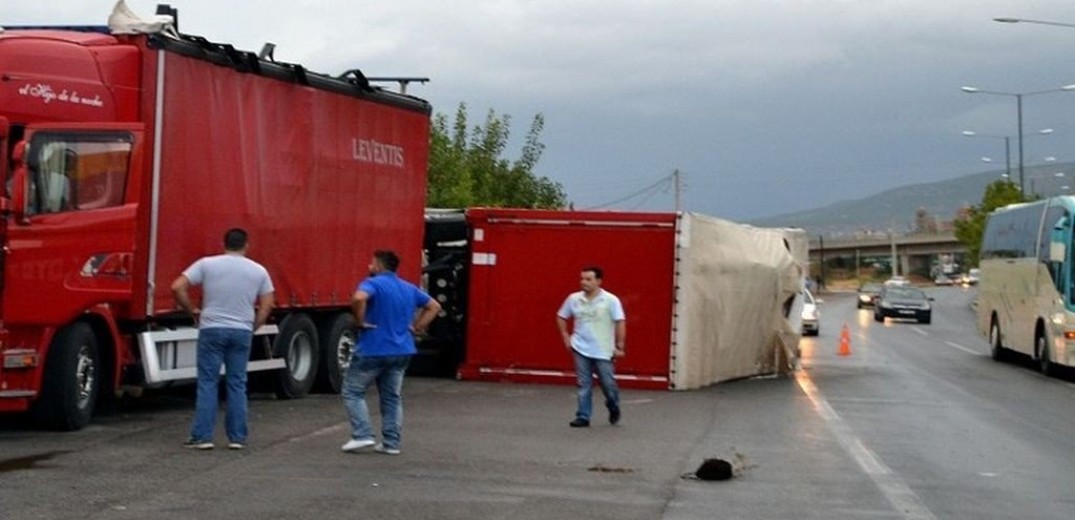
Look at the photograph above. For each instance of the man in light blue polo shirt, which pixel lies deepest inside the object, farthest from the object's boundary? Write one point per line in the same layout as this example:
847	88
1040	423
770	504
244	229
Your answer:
600	328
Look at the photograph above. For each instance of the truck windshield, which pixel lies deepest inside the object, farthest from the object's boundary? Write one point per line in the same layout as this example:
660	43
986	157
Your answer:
77	172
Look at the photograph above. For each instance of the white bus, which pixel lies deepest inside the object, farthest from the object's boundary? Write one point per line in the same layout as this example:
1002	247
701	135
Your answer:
1025	298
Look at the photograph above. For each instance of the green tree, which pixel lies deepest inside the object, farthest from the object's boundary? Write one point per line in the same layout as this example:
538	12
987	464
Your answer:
466	168
969	228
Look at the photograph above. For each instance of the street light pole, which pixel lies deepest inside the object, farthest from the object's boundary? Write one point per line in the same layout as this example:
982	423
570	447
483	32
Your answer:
1019	97
1019	115
1008	154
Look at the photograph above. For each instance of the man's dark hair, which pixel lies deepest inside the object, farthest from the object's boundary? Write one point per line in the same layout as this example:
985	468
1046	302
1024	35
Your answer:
597	272
235	239
388	259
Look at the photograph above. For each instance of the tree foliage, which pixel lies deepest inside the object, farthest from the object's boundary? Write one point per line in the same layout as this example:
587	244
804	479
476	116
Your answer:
466	167
969	228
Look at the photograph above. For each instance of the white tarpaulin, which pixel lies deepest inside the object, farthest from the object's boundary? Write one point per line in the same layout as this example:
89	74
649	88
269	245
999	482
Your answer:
736	289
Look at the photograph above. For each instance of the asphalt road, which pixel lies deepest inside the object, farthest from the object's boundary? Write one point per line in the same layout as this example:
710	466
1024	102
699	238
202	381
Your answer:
916	423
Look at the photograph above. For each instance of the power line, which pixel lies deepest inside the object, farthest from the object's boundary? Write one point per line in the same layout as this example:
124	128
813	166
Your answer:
648	191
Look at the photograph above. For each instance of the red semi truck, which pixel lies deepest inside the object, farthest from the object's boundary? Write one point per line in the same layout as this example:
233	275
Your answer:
127	156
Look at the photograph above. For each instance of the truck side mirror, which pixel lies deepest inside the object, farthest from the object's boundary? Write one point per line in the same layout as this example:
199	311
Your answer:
5	172
5	131
18	183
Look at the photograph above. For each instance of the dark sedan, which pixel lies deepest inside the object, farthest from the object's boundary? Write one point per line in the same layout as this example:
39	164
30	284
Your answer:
903	302
868	294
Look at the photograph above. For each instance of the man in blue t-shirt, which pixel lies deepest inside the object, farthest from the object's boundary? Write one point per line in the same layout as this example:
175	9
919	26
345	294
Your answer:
384	307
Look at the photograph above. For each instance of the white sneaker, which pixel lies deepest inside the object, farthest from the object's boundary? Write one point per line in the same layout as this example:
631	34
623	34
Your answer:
380	448
357	444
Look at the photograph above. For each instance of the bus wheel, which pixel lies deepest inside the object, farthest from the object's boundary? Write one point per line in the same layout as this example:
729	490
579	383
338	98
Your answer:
297	344
69	392
337	344
1044	363
996	350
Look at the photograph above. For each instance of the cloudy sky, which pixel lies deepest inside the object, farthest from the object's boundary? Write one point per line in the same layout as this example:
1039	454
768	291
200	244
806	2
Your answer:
765	106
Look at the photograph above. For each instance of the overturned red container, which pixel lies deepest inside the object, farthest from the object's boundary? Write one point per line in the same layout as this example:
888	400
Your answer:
524	263
706	300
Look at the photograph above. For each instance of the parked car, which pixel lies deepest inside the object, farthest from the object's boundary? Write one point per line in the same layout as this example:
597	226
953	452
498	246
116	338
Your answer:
868	294
905	303
811	314
973	276
943	279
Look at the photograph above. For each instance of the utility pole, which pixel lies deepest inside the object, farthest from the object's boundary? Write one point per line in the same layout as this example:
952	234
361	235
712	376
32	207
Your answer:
677	186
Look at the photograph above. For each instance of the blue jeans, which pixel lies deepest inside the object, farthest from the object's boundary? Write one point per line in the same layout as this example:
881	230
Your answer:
230	347
584	370
387	372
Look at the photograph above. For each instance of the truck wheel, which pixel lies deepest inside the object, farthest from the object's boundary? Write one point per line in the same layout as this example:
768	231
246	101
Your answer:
297	344
337	344
69	392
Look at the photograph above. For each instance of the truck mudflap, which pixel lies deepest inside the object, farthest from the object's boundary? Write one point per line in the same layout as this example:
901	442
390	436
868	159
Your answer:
171	355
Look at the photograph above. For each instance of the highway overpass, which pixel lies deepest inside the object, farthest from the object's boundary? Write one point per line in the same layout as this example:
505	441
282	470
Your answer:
914	252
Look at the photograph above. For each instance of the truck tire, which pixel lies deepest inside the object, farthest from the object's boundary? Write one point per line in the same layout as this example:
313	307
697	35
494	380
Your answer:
72	371
297	344
337	335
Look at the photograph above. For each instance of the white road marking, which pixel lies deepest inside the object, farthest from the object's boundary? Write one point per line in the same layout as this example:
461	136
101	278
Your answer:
964	349
920	331
891	485
323	431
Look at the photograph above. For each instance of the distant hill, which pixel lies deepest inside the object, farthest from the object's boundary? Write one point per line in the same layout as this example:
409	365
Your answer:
895	208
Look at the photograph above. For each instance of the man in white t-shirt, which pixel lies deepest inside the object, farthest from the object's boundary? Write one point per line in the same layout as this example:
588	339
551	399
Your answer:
232	285
597	338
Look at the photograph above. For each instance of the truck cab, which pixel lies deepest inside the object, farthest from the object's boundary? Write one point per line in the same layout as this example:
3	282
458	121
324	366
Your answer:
71	151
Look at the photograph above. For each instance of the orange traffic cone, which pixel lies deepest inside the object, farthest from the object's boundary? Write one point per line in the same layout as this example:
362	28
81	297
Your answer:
845	341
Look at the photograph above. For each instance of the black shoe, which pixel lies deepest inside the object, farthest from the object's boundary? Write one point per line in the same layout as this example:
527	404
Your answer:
614	416
579	423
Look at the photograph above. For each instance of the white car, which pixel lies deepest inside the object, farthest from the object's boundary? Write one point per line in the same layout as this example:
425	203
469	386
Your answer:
811	315
897	281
